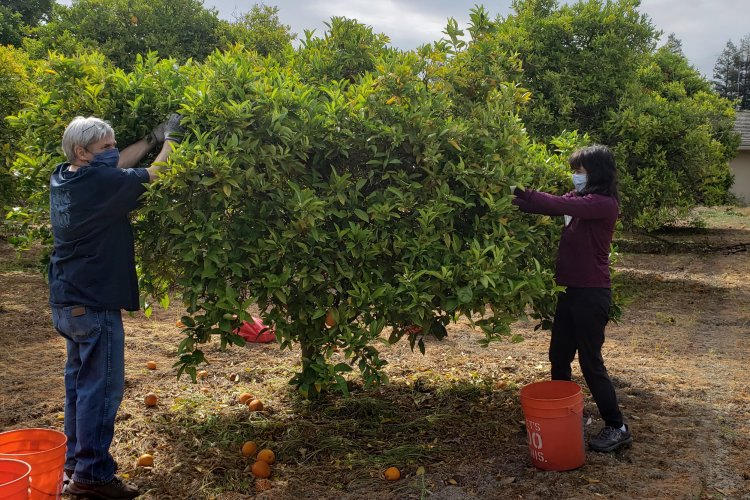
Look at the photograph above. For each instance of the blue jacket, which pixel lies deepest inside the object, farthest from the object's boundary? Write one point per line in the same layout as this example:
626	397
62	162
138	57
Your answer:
93	260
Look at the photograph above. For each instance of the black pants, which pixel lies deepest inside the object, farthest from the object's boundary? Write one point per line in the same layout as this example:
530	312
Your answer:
580	318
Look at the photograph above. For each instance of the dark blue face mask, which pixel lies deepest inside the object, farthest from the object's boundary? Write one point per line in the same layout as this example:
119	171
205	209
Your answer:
107	158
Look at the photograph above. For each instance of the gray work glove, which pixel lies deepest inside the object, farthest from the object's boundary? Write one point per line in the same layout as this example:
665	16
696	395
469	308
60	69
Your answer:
157	134
172	129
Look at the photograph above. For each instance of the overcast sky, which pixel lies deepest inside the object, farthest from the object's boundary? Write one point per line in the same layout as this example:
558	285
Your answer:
704	26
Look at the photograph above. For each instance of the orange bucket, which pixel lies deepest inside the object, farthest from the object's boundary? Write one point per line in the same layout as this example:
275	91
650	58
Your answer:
44	451
14	479
554	424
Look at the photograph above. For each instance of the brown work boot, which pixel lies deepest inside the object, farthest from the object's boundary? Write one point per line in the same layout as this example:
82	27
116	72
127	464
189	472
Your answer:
117	489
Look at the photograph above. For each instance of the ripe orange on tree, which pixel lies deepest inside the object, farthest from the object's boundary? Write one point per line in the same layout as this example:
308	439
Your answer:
330	320
261	469
267	455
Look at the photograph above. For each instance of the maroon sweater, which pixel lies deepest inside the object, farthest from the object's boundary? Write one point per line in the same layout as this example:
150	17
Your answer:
583	255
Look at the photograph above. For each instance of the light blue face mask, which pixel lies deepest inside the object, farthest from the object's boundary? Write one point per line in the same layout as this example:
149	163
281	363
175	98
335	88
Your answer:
579	181
107	158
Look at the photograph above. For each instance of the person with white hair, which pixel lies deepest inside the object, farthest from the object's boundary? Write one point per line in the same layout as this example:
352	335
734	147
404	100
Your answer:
92	278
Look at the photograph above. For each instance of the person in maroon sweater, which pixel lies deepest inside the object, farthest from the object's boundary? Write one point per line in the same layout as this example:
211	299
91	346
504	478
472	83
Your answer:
582	266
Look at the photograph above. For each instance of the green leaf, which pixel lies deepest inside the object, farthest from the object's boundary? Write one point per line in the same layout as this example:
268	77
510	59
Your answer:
342	385
465	295
342	367
362	215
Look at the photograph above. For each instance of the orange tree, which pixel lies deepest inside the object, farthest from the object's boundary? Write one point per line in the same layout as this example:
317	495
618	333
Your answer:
379	198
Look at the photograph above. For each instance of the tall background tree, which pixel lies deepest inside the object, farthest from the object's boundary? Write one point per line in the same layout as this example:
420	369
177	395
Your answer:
673	139
16	16
674	44
260	30
594	67
11	27
32	11
732	73
123	29
578	60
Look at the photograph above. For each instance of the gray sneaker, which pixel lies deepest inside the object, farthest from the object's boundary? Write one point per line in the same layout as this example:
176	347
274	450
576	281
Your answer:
610	439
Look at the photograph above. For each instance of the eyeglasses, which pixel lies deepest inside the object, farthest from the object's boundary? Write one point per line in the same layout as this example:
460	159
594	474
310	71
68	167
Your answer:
92	126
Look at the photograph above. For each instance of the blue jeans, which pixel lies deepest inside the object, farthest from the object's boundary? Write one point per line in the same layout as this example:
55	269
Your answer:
94	386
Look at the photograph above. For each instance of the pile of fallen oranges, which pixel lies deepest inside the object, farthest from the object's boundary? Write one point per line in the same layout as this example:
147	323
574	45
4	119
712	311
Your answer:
264	459
252	403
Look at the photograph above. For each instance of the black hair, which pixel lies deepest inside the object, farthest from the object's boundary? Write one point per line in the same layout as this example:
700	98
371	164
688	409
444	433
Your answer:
601	172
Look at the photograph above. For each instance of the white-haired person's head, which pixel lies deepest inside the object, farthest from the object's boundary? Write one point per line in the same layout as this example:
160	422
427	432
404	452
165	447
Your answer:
84	131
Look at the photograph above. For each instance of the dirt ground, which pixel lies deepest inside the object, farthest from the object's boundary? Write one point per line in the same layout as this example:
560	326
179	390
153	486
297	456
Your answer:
450	420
